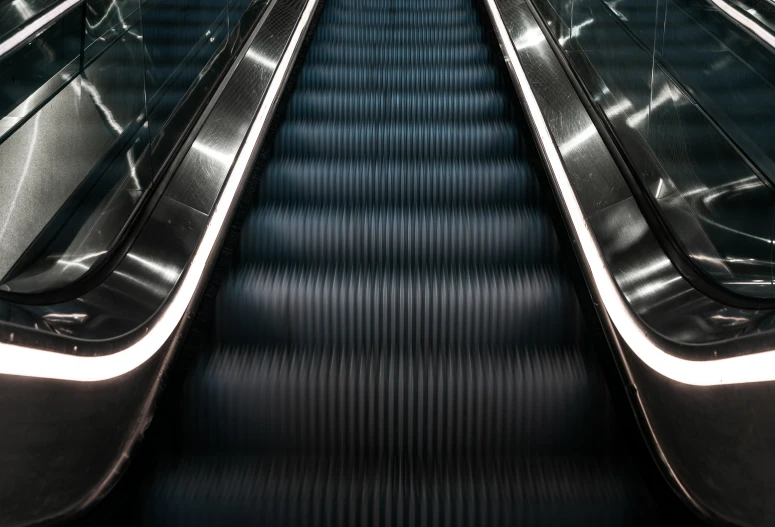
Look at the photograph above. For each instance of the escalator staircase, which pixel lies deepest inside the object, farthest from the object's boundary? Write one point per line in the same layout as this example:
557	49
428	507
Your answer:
399	342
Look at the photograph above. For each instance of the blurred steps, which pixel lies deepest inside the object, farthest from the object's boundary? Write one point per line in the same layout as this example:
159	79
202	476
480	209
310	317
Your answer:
398	342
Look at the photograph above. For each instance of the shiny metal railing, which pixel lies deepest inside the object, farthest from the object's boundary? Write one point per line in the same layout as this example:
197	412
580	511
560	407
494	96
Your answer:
700	373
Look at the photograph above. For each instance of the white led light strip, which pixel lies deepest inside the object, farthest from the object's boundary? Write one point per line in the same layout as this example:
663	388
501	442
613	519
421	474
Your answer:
27	32
20	360
757	367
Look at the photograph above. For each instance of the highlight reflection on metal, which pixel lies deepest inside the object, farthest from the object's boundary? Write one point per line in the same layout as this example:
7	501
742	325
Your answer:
39	68
18	360
40	23
213	153
115	55
260	59
701	373
16	116
746	22
698	368
729	368
686	92
43	167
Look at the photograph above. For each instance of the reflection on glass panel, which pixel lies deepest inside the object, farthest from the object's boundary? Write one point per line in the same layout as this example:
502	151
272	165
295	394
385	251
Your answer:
624	68
690	93
175	58
15	14
729	73
91	225
638	16
711	180
236	10
115	84
90	109
559	24
107	20
34	71
46	170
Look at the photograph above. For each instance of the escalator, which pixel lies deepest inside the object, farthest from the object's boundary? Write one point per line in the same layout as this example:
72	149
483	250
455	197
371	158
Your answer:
398	340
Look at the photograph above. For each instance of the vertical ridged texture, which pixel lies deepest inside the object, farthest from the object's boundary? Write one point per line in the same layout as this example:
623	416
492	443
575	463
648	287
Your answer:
400	237
385	308
305	491
398	343
444	403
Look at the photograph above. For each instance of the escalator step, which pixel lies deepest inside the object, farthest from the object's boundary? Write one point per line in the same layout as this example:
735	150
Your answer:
316	105
397	141
417	17
398	77
398	237
328	491
403	5
439	403
382	308
381	35
406	54
403	54
431	183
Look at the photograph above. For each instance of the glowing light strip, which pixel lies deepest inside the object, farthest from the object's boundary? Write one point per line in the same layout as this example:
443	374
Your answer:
28	31
750	25
20	360
757	367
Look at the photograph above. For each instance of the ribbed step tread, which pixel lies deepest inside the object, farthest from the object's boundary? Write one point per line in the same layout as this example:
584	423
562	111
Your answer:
416	17
385	308
403	54
383	36
399	77
477	106
367	403
398	237
323	491
406	54
407	25
403	5
398	141
428	183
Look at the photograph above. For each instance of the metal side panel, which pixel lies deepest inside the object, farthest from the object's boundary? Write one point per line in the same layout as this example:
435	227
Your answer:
78	391
700	372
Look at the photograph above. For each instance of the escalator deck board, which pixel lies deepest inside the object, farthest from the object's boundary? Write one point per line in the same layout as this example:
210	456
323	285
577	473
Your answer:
398	342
